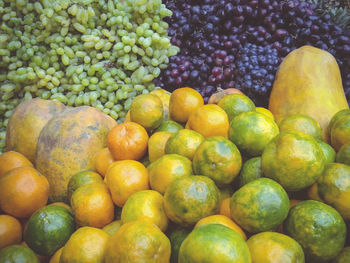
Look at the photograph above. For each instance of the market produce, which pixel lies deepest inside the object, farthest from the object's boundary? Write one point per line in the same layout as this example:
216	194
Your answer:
344	256
11	160
17	253
177	235
235	104
156	145
343	155
308	82
113	227
328	152
68	144
102	160
340	133
250	171
214	36
82	178
11	231
221	93
26	123
318	228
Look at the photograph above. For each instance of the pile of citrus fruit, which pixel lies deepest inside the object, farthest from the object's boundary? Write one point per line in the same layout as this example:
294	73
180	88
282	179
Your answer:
181	181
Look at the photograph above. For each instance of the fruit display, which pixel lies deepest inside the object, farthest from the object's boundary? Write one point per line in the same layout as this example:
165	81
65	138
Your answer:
200	171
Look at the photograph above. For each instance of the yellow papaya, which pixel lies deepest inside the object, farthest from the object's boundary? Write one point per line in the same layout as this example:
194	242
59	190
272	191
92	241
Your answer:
68	144
308	82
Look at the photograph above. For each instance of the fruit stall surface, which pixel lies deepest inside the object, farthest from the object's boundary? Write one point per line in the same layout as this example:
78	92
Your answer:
182	131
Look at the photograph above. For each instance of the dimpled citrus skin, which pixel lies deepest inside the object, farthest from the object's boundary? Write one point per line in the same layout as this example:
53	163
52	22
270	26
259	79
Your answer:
273	247
293	159
340	132
190	198
235	104
334	187
260	205
219	159
214	243
318	228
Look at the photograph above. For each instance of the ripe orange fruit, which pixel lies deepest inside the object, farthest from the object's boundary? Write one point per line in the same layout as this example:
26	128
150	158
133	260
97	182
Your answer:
102	160
11	160
209	120
225	207
127	141
222	220
147	110
10	231
183	102
23	190
124	178
156	145
92	205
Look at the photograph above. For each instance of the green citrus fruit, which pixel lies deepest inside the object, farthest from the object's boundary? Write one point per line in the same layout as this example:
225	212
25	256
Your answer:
293	159
273	247
328	152
340	132
219	159
18	254
340	114
213	243
176	236
251	132
343	155
82	178
343	257
250	171
190	198
260	205
334	187
184	142
234	104
303	123
318	228
113	227
169	126
48	229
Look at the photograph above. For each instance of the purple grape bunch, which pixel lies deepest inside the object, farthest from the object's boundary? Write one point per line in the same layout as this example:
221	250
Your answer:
240	43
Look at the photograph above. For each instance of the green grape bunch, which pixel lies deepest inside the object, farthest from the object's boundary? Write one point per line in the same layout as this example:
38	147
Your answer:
100	53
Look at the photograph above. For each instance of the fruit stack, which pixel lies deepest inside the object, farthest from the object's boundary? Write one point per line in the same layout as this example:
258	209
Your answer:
183	181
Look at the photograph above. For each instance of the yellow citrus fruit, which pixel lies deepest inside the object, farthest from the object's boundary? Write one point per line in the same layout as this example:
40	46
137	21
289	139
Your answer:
156	145
10	160
222	220
87	244
328	152
57	256
145	205
209	120
272	247
102	161
10	231
265	111
62	204
165	98
235	104
92	205
225	207
125	178
303	123
340	132
170	126
219	159
138	241
113	227
166	169
183	102
147	110
185	142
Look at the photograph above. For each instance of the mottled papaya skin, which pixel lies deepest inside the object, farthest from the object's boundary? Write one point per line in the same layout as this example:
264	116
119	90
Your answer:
26	123
68	144
308	82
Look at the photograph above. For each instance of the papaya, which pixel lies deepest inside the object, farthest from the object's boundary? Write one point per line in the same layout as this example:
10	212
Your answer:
308	82
68	144
26	123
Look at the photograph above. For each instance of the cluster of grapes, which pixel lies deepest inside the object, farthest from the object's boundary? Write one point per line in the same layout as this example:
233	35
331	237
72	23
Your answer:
212	34
81	52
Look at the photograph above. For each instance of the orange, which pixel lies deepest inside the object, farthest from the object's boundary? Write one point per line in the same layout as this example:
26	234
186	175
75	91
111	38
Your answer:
23	190
17	254
166	169
184	142
265	111
124	178
92	205
340	133
64	205
183	102
147	110
11	160
86	245
113	227
82	178
272	247
209	120
56	257
164	96
102	160
225	207
235	104
145	205
10	231
156	145
222	220
41	258
127	141
138	241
